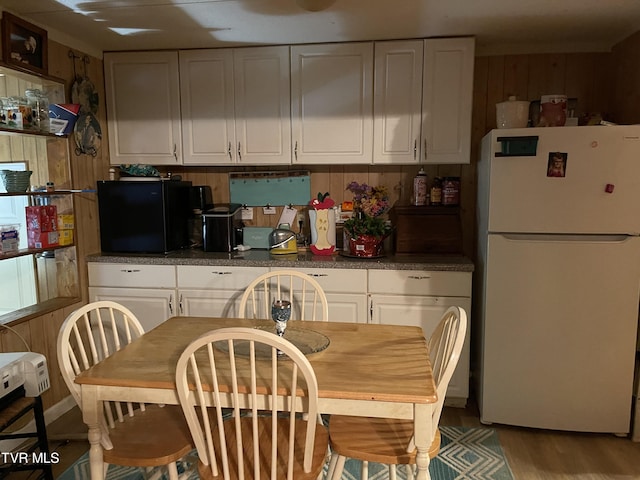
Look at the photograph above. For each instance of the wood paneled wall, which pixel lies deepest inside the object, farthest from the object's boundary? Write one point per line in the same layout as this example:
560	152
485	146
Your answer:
626	80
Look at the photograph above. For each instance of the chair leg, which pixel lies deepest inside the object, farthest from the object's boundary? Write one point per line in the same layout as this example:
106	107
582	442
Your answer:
332	465
411	472
173	471
339	467
152	473
392	472
365	470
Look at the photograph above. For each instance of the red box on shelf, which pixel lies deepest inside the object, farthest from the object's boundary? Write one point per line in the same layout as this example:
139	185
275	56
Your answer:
42	239
42	219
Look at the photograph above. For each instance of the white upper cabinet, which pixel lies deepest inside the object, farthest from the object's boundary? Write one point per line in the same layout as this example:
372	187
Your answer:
206	91
397	101
143	107
235	106
447	100
263	104
332	103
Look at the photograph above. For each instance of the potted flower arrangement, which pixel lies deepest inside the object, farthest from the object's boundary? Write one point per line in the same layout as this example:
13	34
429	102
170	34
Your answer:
366	229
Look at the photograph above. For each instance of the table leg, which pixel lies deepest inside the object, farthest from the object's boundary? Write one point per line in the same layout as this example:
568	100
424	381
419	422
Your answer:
91	416
422	435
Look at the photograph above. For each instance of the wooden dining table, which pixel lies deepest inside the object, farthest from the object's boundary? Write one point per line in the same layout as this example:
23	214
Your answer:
366	370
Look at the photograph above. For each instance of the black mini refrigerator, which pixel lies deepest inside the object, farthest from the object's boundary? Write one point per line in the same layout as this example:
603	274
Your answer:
144	216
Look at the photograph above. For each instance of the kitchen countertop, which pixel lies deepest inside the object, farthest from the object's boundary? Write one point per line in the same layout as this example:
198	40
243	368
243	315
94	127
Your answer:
303	259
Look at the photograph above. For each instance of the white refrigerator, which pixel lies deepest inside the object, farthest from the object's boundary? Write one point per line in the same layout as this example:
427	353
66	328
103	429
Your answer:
558	277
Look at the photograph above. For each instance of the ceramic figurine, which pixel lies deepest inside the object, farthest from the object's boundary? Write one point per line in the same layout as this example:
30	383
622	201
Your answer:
322	221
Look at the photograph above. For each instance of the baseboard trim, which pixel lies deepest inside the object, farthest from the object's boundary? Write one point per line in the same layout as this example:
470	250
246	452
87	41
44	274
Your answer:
54	412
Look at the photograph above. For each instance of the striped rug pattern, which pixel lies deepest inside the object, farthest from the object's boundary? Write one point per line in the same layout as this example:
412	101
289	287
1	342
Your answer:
465	454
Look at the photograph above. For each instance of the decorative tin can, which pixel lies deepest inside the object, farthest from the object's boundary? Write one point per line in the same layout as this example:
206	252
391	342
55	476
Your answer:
420	188
451	191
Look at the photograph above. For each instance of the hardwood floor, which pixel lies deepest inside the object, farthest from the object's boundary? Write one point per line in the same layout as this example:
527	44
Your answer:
532	454
551	455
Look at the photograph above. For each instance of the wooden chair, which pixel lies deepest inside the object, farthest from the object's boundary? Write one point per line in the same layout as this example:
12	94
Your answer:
308	300
266	437
390	441
133	435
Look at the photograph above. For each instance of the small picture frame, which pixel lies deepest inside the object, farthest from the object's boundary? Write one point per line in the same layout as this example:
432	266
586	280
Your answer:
24	45
557	164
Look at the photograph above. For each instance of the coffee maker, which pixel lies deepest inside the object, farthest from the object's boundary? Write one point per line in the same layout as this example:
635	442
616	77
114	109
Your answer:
201	201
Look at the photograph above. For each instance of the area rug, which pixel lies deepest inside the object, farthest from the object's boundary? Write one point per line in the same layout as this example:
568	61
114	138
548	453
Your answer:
465	454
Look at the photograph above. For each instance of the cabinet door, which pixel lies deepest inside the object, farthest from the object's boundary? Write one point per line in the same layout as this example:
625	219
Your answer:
331	103
217	277
131	275
397	102
426	312
447	100
348	307
206	89
150	305
346	292
143	107
262	105
213	291
209	303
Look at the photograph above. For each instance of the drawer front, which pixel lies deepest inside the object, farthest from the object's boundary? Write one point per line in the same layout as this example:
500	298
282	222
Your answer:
337	280
420	282
217	277
128	275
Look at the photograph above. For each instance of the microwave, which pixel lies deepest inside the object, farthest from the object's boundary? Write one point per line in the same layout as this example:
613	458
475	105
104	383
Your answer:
150	216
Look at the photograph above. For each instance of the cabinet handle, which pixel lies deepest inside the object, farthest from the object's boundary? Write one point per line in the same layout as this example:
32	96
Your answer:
171	304
239	154
419	277
180	305
222	273
129	271
295	151
415	149
370	310
318	274
425	148
175	151
229	152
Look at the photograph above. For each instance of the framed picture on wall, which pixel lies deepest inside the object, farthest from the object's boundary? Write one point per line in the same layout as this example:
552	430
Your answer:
24	45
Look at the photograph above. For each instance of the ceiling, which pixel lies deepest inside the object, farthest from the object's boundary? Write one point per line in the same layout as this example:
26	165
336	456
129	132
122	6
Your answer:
500	26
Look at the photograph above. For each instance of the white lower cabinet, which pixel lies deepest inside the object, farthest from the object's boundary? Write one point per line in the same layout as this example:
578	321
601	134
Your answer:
149	291
420	298
213	291
346	292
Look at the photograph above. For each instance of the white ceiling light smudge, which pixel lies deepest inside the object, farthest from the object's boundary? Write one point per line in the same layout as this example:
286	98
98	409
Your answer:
132	31
74	5
315	5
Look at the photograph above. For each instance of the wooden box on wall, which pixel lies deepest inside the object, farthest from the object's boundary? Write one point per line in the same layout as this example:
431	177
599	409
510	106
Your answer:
426	229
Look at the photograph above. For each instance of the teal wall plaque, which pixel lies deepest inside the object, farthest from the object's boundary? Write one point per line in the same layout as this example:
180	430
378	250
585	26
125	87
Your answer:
275	189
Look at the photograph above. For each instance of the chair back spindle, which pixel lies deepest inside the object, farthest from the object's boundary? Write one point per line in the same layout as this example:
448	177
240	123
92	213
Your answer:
308	300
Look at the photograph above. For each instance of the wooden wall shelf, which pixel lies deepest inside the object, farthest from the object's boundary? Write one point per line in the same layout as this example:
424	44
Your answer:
31	251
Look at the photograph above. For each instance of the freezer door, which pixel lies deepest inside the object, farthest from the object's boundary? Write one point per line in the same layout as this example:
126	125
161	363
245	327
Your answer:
559	331
599	192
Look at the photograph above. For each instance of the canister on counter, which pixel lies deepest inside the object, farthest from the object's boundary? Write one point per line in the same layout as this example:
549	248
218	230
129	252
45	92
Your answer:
420	188
451	191
435	194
